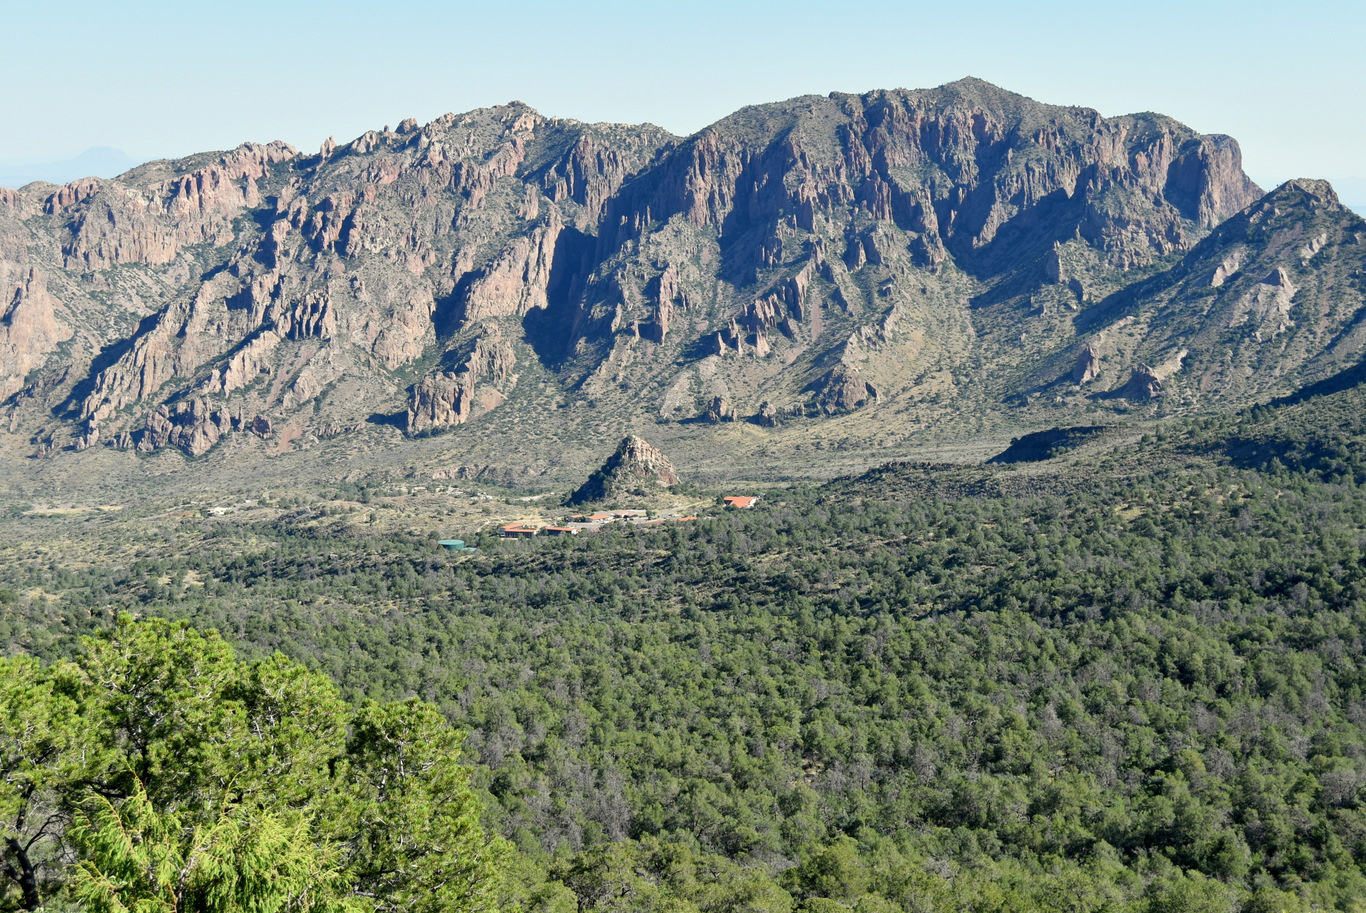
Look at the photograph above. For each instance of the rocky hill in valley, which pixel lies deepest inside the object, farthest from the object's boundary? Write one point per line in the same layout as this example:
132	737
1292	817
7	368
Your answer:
635	466
870	269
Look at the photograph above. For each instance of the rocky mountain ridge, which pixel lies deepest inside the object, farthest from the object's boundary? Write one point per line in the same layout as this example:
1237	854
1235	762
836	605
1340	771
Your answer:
917	254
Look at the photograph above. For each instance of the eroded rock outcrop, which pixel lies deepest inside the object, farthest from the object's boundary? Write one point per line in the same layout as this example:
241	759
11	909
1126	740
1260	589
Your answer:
113	223
635	464
669	300
516	281
1143	385
1205	178
889	235
1267	305
1001	157
1227	268
590	173
721	409
842	389
1087	367
771	416
29	330
440	401
193	426
448	398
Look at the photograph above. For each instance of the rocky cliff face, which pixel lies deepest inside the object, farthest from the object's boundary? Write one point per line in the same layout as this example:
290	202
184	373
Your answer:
967	171
795	262
29	331
111	223
259	281
446	398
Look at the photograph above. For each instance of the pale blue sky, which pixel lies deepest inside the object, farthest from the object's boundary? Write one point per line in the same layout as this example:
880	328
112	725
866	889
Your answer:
168	78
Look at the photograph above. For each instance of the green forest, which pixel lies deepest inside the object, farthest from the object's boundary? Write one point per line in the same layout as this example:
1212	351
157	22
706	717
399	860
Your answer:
1128	679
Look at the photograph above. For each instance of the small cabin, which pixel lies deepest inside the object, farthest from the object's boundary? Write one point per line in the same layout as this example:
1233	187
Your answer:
740	502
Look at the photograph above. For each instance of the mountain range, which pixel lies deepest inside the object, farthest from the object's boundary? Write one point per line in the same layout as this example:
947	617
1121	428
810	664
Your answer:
852	273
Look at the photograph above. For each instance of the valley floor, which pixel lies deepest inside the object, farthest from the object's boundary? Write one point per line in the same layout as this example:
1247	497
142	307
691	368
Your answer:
1128	677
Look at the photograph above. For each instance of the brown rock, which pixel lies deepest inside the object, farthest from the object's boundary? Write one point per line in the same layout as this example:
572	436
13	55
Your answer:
1143	385
287	288
115	224
635	463
855	257
440	401
589	174
448	398
516	282
669	299
1267	305
1190	180
842	389
770	415
89	437
720	410
71	194
1226	268
1206	179
1052	266
192	426
1278	277
29	330
720	343
1087	367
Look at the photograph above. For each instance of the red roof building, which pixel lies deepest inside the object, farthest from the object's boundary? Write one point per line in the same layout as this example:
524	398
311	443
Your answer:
740	501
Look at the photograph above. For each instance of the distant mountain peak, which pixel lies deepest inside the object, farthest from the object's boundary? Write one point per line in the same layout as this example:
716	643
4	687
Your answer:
97	161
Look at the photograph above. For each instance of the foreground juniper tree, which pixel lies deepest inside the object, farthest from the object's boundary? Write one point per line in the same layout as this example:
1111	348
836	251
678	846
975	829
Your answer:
40	759
158	772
